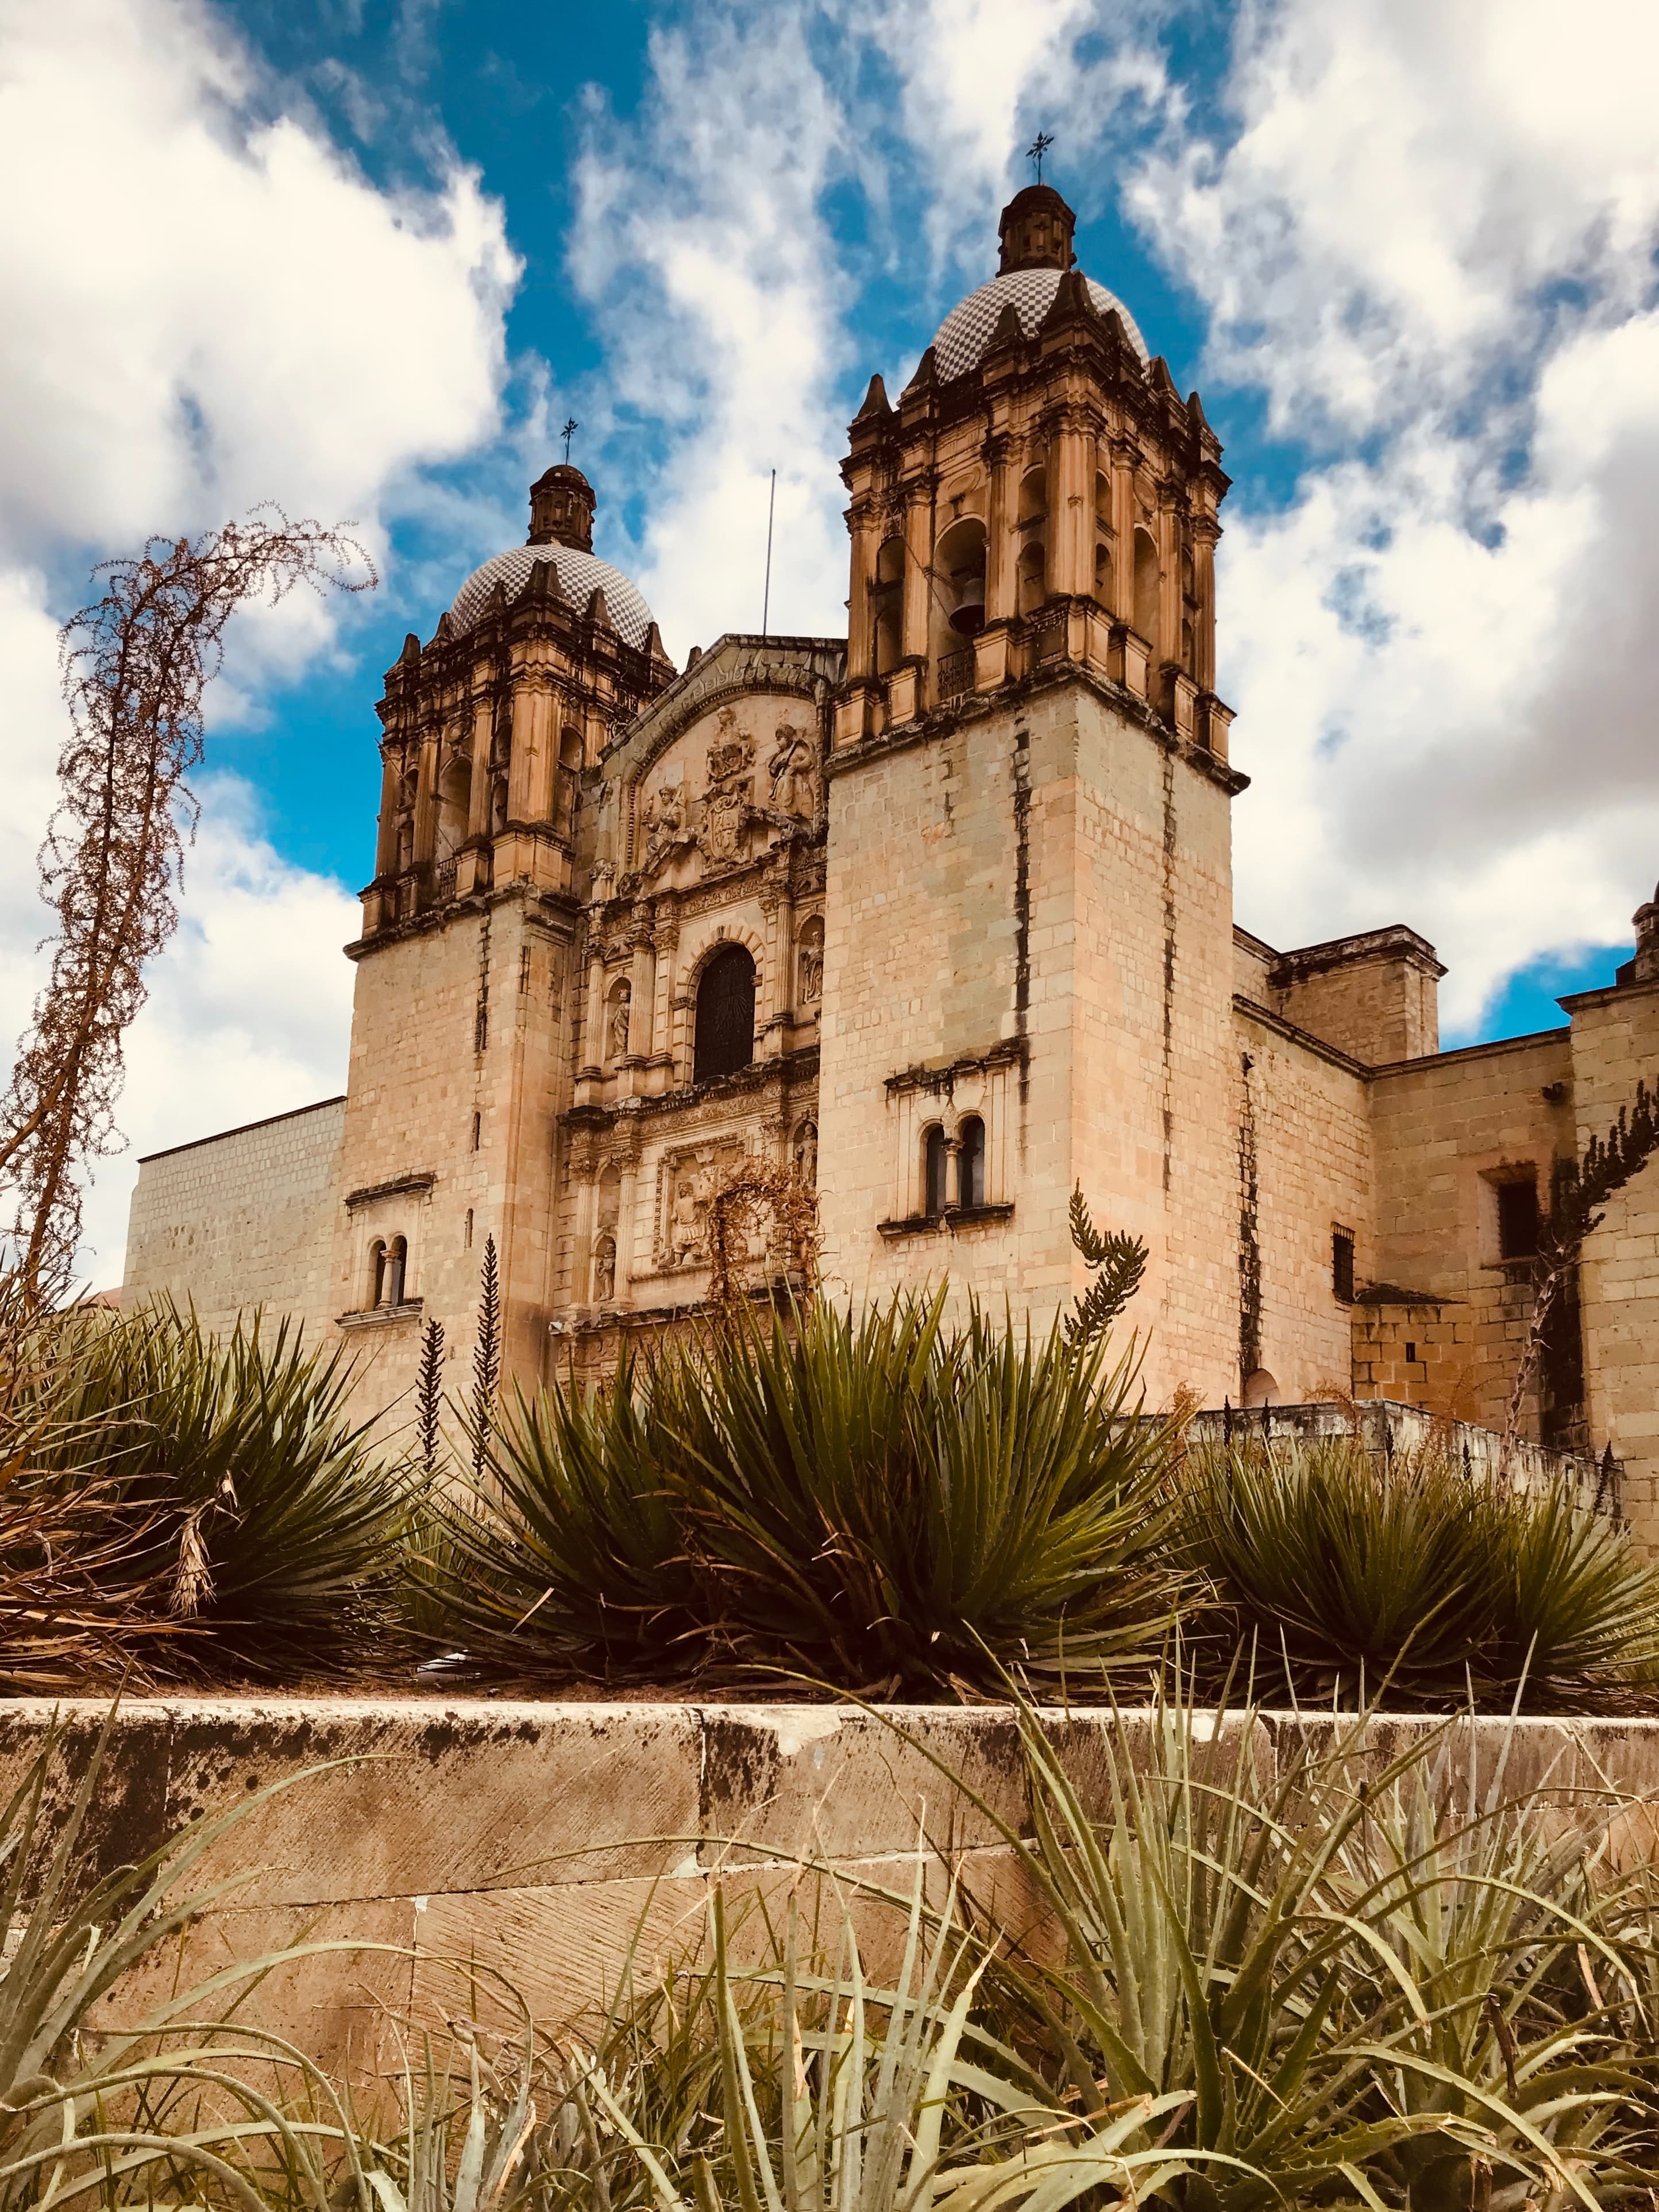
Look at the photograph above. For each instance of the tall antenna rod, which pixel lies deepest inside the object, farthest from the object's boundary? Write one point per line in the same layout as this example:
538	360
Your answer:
766	598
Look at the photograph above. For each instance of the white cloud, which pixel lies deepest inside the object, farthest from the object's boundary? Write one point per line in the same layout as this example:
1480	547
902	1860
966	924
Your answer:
207	304
1430	244
702	246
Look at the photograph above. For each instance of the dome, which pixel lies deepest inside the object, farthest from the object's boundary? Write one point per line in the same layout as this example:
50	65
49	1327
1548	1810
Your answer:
966	332
580	575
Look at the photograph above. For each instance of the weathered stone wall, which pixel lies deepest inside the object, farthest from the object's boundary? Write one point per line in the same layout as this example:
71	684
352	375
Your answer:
1305	1169
240	1220
540	1840
1615	1045
1447	1130
1029	918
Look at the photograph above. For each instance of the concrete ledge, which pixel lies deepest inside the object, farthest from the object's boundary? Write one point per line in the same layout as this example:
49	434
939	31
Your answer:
540	1840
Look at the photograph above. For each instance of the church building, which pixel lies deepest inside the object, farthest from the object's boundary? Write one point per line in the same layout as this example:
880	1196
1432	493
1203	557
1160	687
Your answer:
935	919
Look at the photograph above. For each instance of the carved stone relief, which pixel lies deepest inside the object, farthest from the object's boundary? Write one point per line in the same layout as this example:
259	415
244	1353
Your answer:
718	824
688	1178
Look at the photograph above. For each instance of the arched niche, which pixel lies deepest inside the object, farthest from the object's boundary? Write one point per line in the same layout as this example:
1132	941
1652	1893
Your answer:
723	1040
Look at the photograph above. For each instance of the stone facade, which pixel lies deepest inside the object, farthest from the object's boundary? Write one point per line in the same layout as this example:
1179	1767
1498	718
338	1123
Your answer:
936	918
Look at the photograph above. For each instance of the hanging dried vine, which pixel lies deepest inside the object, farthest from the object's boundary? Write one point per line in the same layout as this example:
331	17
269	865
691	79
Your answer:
1582	1189
741	1204
135	665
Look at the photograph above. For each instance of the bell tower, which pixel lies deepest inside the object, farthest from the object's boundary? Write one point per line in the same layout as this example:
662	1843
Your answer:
1030	965
467	967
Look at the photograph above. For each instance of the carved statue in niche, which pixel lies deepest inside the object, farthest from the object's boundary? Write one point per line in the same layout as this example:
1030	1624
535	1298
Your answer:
604	1269
688	1216
621	1008
662	824
811	965
792	767
807	1154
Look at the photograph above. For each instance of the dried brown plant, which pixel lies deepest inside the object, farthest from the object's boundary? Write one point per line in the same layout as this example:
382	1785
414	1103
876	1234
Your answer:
744	1198
135	665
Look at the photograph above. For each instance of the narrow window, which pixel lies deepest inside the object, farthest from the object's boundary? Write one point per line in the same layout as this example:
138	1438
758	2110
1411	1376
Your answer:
1342	1264
477	1130
469	1229
1411	1354
524	969
933	1165
1145	588
377	1273
396	1261
970	1161
1517	1218
724	1040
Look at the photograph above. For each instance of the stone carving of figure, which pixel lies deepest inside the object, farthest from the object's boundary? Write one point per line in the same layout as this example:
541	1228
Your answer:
620	1010
807	1154
812	969
604	1271
686	1225
792	767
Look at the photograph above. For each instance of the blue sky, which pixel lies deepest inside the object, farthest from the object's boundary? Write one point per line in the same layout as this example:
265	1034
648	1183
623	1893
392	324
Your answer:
1403	247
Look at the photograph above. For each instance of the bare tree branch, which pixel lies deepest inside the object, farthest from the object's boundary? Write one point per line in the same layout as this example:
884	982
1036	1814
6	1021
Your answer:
135	667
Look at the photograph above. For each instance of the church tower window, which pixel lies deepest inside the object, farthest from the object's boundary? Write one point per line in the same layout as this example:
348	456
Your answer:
725	1037
960	567
1146	582
934	1160
970	1161
887	596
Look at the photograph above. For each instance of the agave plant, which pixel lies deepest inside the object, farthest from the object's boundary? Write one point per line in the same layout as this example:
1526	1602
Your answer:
1353	1574
1365	1986
273	1521
881	1502
172	2093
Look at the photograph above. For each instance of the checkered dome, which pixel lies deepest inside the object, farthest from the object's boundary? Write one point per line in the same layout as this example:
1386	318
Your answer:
580	575
966	331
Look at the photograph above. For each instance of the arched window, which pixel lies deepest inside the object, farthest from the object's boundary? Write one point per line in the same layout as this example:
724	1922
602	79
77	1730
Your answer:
1034	495
388	1260
934	1158
1146	616
970	1161
887	605
725	1039
454	794
1033	577
1103	574
959	567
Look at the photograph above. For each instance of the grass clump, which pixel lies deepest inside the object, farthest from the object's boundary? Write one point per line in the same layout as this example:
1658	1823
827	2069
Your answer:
881	1502
1351	1572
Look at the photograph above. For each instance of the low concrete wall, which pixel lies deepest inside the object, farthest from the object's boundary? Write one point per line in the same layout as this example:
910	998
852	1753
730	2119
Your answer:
1384	1426
536	1840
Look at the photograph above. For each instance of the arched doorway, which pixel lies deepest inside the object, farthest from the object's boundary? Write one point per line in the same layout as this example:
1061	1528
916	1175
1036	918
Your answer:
725	1036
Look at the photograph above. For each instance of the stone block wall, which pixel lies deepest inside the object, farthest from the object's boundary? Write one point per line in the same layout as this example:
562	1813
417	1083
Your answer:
1305	1170
1447	1131
240	1220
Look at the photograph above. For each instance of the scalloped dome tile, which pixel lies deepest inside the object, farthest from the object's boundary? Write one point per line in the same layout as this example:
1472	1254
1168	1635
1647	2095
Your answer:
966	332
580	575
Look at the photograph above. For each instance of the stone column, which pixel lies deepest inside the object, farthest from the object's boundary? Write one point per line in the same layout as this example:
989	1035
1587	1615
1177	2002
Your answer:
593	1019
643	1002
426	800
477	797
918	561
1001	535
860	631
668	940
779	909
530	787
1123	458
385	841
1206	530
1071	510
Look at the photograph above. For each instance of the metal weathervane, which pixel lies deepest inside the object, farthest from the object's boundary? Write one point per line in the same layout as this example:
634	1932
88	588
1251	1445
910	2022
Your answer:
1038	147
568	432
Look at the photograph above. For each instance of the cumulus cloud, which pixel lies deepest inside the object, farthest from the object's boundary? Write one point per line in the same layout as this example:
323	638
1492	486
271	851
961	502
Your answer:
1429	243
207	304
703	246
